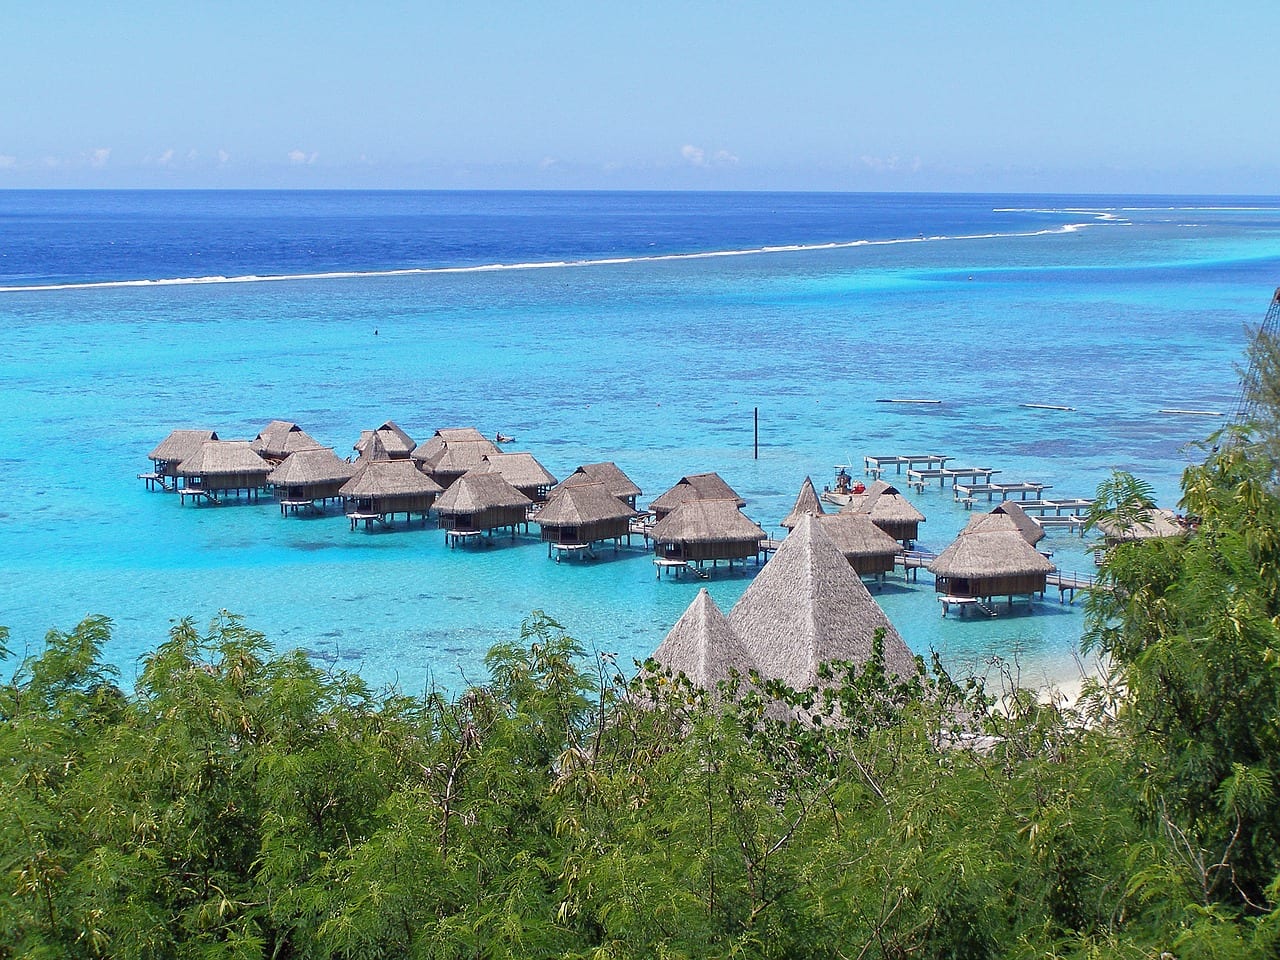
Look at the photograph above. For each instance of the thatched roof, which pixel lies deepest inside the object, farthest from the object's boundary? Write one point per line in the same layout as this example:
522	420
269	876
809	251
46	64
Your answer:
373	449
806	503
518	469
181	444
986	555
223	457
279	438
397	443
703	646
706	521
582	503
806	607
697	486
316	465
857	536
474	492
883	501
1005	518
457	457
447	435
1156	523
608	473
382	478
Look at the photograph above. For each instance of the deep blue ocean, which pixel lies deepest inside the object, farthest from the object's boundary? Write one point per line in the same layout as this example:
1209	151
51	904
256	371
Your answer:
643	328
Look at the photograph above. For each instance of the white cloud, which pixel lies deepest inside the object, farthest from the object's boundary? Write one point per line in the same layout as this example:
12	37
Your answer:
301	157
166	158
98	158
894	163
223	157
7	162
698	157
191	155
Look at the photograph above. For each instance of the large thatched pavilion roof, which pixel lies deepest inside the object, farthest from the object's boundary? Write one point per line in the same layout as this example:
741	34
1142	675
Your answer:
806	503
706	521
475	492
696	486
311	466
456	457
806	607
703	646
435	445
224	458
977	556
582	503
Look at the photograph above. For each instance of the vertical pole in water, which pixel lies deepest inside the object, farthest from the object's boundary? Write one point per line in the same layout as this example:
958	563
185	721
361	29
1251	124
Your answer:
757	431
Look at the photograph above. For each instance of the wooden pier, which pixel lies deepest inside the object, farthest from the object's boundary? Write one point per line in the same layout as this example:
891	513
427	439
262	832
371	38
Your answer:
160	481
918	478
971	491
1067	506
1068	582
874	466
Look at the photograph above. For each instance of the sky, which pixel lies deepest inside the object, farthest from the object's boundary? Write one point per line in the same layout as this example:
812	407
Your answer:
1088	97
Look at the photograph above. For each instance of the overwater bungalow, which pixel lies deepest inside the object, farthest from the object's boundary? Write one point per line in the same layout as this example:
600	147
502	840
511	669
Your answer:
608	473
703	646
889	510
223	468
436	442
1008	517
522	471
977	567
581	515
480	503
380	489
869	550
700	530
806	607
807	503
455	458
696	486
165	459
311	476
397	444
279	438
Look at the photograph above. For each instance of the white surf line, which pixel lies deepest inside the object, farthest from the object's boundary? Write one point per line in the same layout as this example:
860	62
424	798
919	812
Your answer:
535	265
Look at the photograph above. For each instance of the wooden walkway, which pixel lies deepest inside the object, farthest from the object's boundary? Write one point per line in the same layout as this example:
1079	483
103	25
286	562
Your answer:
874	466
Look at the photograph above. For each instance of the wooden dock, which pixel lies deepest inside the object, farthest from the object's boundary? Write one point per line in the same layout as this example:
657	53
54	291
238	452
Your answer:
918	478
971	491
1066	506
1068	582
874	466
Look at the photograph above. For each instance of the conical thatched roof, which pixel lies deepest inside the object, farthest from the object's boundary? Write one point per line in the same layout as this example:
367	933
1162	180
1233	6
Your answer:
395	441
181	444
706	521
696	486
856	536
608	473
316	465
279	438
433	446
582	503
518	469
986	555
1157	523
382	478
883	501
1003	519
223	457
806	503
703	646
806	607
474	492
